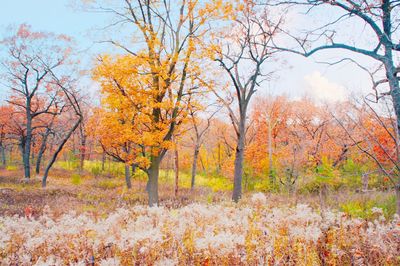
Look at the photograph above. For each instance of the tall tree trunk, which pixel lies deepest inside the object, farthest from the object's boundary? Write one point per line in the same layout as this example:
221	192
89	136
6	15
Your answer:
82	151
194	166
152	183
176	164
58	150
3	156
393	81
39	158
28	141
128	176
238	174
42	150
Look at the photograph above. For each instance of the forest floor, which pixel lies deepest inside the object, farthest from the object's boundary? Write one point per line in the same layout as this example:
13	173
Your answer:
102	195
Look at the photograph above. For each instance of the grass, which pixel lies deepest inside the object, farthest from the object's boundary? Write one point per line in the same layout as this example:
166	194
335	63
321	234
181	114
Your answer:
116	169
105	190
362	207
215	183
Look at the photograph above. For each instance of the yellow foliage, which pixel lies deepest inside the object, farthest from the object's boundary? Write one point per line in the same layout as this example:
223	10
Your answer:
146	94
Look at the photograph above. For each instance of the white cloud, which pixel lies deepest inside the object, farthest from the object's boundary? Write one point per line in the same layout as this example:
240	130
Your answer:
320	88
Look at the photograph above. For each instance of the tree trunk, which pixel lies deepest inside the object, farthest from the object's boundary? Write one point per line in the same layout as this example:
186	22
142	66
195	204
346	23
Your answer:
202	165
128	176
194	166
59	149
10	155
32	152
28	140
219	159
365	181
271	170
238	174
42	150
3	156
39	158
152	183
133	169
103	161
82	152
393	81
176	163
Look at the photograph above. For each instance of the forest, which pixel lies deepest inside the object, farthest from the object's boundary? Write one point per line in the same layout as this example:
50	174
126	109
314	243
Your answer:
171	141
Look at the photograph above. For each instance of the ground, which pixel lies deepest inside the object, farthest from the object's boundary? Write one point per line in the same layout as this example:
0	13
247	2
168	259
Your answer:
83	192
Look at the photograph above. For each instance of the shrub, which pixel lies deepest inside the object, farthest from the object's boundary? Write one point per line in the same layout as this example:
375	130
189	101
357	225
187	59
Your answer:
76	179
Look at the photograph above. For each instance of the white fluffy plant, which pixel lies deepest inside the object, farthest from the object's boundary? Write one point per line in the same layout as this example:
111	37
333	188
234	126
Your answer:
259	199
198	234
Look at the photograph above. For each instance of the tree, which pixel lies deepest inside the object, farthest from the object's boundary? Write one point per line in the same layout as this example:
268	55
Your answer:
200	128
156	80
71	104
379	141
114	130
379	21
32	60
6	112
269	116
241	55
44	139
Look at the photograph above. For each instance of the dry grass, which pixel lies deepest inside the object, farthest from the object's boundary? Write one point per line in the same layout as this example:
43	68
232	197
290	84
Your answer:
102	195
99	195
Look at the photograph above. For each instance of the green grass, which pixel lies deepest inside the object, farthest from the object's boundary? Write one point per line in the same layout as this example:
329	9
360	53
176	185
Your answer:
362	208
215	183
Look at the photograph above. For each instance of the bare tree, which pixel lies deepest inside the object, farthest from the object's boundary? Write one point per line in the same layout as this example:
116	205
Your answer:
379	139
44	138
241	56
379	21
31	57
198	139
72	101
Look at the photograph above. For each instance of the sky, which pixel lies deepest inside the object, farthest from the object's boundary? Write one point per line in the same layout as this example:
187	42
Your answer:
296	77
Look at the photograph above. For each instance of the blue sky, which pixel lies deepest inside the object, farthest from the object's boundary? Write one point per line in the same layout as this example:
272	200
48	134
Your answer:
297	77
57	16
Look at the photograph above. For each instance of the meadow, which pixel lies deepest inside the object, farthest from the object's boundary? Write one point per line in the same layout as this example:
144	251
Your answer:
90	218
200	132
